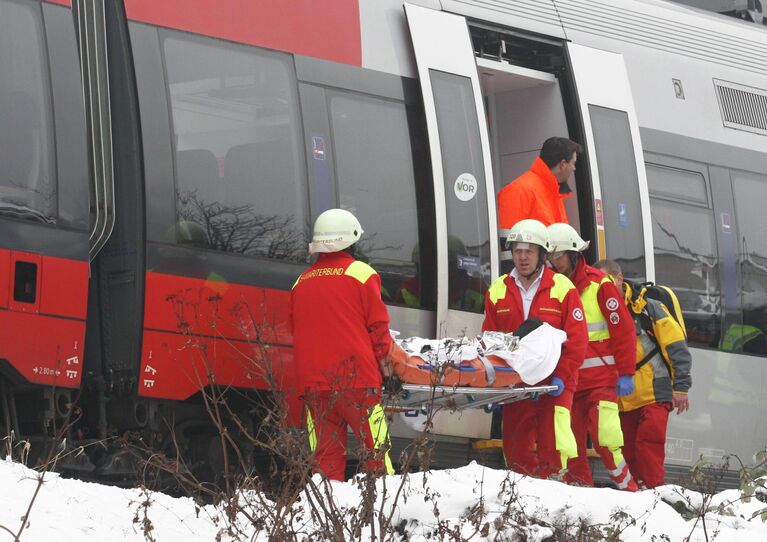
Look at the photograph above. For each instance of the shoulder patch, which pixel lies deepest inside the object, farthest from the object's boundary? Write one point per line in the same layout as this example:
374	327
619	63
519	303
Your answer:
612	304
360	271
562	285
578	314
497	289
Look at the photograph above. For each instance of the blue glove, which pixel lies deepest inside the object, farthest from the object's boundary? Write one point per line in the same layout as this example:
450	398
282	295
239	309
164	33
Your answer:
625	385
556	381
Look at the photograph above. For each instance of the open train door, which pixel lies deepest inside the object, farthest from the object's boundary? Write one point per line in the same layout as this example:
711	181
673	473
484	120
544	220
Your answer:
460	154
614	152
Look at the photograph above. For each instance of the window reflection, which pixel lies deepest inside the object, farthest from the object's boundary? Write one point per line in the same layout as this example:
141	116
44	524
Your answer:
686	258
239	173
376	181
464	174
619	183
750	190
27	178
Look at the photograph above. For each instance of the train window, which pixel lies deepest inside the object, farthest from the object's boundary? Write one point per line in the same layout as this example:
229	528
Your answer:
686	255
750	189
465	192
376	181
678	184
619	184
27	172
239	164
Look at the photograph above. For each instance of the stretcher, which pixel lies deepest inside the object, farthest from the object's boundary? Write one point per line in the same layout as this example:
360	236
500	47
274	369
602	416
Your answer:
432	397
456	374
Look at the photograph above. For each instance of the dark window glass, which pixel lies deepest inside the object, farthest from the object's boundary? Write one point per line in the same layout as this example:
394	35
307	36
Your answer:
620	189
376	182
677	184
27	175
465	191
750	191
239	164
686	256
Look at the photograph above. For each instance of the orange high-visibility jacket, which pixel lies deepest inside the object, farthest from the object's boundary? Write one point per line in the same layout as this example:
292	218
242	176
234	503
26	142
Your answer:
534	194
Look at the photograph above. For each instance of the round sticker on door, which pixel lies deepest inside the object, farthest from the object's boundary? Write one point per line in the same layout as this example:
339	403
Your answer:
465	187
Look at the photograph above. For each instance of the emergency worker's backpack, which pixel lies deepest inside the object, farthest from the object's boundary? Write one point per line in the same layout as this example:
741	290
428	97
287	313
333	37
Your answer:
665	295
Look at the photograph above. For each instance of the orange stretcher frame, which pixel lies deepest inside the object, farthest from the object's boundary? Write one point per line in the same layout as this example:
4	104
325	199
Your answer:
487	371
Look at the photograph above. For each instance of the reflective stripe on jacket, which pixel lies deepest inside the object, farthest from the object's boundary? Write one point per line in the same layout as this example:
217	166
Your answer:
667	371
612	341
556	302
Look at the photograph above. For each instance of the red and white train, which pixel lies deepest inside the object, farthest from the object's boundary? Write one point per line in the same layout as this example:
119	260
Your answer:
157	156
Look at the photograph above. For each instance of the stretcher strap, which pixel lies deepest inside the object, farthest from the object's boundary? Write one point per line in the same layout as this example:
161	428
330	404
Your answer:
489	369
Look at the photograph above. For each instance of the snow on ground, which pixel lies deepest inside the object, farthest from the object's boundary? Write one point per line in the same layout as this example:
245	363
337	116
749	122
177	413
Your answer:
71	510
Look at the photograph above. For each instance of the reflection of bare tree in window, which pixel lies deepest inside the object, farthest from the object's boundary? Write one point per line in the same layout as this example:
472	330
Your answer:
238	229
681	264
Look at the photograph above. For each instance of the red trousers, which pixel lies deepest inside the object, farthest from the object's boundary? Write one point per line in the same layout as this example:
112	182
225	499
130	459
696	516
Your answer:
595	413
534	443
329	413
644	431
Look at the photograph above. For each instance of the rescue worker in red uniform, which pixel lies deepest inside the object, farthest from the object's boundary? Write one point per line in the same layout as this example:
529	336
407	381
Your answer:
607	371
537	438
341	343
662	381
539	193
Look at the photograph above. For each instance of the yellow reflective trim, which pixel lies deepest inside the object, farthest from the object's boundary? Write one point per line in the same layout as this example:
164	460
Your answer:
609	426
595	320
311	430
562	285
409	299
380	432
497	289
563	435
360	271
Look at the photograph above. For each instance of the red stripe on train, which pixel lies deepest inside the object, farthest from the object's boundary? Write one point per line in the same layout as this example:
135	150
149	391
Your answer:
42	330
67	3
328	30
197	332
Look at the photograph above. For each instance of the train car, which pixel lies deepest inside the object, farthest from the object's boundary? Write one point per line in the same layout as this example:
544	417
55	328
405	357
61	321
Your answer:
156	212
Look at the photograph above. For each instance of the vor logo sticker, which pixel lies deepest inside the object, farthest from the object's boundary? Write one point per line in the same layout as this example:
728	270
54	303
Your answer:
465	187
612	304
578	314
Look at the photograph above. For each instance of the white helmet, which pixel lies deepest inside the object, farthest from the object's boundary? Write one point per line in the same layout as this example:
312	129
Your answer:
529	231
564	238
335	230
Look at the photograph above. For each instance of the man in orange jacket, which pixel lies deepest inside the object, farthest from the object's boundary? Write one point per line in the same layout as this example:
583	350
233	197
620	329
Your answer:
539	193
341	345
608	369
537	438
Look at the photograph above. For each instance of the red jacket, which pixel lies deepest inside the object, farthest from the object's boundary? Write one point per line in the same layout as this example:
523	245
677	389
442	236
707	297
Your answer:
612	337
534	194
340	324
556	302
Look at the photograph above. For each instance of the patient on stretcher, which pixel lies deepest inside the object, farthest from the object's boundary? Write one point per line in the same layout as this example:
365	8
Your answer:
493	359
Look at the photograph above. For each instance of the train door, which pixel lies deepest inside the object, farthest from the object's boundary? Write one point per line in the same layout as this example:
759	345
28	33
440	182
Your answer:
614	151
44	212
467	253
